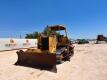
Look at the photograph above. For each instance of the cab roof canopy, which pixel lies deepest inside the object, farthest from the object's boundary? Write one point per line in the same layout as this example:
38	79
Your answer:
57	27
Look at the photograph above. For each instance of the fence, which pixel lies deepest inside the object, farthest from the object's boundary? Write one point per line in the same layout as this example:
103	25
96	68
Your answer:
12	44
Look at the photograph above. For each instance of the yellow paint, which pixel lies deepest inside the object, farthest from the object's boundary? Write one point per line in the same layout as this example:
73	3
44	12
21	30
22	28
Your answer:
52	44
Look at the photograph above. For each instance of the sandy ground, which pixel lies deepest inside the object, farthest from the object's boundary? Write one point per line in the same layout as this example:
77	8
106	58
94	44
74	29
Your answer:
88	63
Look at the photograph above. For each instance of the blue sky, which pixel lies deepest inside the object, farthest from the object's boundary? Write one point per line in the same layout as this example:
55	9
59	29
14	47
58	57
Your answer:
83	18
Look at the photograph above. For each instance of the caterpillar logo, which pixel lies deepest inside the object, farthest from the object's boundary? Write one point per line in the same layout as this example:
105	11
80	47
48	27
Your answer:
11	43
26	43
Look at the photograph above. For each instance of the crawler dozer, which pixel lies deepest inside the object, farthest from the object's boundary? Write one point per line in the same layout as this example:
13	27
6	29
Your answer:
51	49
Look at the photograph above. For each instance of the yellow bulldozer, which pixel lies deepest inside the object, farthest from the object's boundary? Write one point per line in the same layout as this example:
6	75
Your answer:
52	49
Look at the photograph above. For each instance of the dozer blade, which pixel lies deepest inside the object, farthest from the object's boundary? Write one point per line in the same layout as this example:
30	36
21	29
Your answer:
36	59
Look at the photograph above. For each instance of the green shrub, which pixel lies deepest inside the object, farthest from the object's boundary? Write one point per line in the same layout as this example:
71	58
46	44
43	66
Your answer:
83	41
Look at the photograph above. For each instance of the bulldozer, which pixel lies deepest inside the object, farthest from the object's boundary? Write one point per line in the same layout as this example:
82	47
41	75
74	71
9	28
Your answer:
52	49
